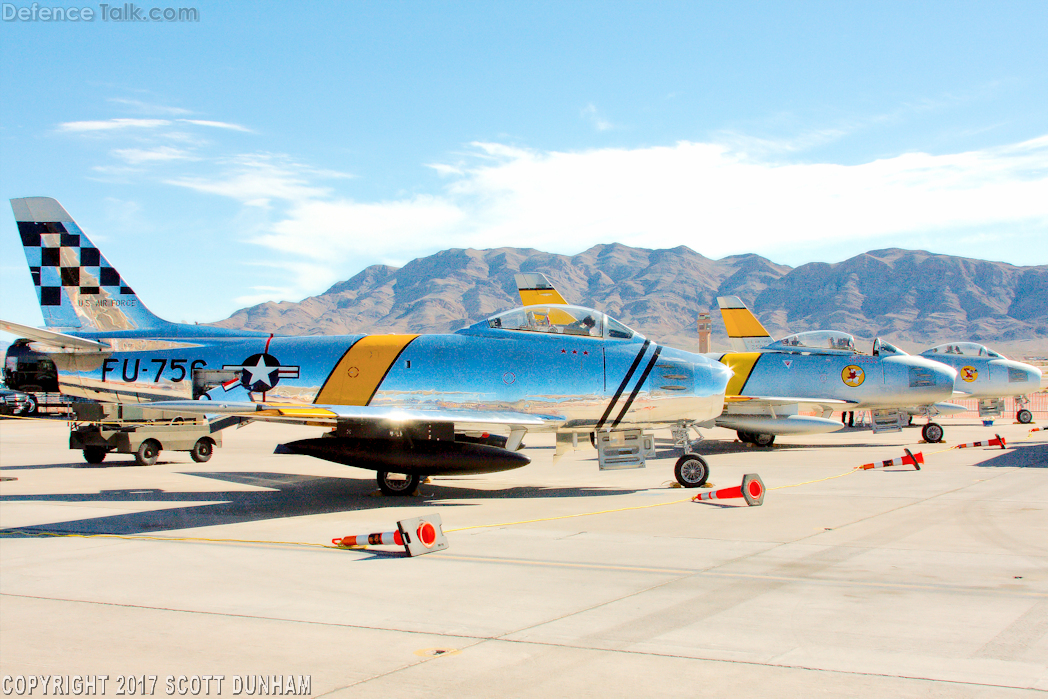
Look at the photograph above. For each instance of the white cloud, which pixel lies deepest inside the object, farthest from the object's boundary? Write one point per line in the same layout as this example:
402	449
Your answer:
257	178
136	156
590	113
707	196
147	108
218	124
111	124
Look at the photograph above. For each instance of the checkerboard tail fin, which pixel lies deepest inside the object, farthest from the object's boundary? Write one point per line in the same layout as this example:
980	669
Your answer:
77	287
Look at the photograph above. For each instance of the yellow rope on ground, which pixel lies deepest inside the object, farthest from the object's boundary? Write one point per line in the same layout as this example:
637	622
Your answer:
143	537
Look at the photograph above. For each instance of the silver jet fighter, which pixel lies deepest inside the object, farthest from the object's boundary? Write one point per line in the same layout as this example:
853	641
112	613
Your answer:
990	377
888	382
405	406
772	381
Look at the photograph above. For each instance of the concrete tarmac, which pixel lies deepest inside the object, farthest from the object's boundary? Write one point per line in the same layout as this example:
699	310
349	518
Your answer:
560	580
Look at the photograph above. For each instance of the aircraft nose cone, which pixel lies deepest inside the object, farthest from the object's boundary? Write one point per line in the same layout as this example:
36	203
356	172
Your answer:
721	374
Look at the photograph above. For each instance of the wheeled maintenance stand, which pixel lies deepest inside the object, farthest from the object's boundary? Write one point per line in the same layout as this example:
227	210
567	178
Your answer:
144	432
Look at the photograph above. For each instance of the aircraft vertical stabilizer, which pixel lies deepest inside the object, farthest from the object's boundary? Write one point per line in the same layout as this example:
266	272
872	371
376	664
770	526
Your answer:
76	286
535	290
745	332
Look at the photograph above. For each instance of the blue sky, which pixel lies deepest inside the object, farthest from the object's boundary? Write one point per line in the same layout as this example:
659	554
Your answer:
270	149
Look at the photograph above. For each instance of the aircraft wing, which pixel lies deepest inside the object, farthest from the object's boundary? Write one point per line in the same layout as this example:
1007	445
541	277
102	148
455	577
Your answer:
785	400
316	414
51	337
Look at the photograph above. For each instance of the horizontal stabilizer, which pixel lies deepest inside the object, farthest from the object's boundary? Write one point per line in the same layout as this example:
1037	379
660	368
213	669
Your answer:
55	339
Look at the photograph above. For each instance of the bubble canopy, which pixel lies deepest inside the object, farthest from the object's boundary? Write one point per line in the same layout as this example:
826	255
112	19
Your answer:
965	349
816	341
561	320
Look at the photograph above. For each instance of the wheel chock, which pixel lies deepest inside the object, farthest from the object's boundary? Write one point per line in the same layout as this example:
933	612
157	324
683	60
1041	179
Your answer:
997	441
751	490
910	458
418	535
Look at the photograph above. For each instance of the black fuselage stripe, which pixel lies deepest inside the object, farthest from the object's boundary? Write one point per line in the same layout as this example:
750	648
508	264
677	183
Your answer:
636	389
749	376
622	386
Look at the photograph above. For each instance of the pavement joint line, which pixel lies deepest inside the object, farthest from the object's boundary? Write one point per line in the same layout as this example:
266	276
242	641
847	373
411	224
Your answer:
480	639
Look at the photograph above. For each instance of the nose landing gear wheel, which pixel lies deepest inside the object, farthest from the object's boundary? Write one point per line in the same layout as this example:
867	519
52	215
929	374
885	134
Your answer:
398	483
932	432
1024	416
691	471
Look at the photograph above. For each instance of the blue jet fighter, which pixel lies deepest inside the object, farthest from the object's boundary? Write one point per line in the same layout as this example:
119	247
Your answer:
405	406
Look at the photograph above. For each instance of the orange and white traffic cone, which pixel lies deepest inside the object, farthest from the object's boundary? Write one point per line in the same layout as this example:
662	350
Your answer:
997	441
1037	429
914	460
751	490
417	535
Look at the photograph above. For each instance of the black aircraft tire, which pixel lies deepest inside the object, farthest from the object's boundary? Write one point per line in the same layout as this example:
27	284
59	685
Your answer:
1024	416
398	486
763	440
95	455
147	453
932	433
691	471
202	450
745	437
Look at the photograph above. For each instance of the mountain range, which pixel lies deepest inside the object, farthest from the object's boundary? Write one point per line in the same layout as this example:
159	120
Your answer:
911	297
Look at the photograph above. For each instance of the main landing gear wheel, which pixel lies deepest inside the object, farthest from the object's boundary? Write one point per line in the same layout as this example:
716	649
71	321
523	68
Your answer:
202	450
1024	416
761	440
147	452
932	433
398	483
95	455
691	471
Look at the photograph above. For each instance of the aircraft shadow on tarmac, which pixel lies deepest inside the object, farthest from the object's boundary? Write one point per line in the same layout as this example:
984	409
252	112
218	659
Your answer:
1021	455
292	496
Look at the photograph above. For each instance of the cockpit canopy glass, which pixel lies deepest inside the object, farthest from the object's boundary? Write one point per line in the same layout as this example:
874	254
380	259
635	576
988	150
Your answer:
561	320
816	341
965	349
882	348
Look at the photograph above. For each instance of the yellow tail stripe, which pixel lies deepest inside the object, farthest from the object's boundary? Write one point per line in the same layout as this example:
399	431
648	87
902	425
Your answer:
742	364
740	322
359	373
540	297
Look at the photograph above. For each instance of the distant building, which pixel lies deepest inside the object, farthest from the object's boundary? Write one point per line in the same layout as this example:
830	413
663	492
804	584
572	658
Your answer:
705	330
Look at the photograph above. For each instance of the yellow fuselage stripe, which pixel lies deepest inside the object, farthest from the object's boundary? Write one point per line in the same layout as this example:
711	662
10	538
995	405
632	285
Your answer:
359	373
742	364
740	322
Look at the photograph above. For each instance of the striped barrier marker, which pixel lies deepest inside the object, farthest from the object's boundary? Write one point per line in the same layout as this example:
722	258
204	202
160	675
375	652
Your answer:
1036	429
418	535
997	441
751	490
914	460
